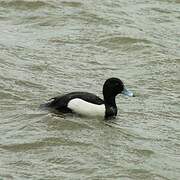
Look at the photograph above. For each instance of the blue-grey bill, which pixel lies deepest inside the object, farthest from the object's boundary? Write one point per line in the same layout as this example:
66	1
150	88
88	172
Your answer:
127	92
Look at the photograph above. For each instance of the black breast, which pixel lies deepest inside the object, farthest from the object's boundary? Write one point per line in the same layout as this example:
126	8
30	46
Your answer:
110	111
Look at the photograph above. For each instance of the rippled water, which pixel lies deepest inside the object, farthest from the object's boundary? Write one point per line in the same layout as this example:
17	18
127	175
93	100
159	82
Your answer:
51	47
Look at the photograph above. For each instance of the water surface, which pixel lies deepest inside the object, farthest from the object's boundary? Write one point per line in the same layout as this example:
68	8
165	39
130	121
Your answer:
51	47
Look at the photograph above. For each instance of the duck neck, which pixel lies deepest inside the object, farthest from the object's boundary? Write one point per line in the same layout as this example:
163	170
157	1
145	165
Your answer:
111	109
110	101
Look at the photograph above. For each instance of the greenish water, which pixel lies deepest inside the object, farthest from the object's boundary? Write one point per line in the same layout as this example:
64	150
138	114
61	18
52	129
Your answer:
49	47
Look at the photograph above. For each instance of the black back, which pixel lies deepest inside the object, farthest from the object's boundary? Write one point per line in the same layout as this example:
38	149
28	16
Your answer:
60	102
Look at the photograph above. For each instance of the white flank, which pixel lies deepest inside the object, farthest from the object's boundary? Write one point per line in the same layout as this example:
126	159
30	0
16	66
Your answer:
85	108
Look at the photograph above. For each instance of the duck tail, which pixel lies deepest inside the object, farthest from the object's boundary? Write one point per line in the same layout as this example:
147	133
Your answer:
47	105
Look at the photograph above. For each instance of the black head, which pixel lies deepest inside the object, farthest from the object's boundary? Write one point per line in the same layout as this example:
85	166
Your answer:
112	87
